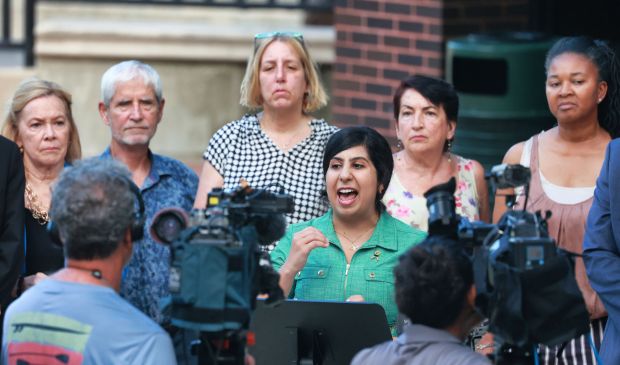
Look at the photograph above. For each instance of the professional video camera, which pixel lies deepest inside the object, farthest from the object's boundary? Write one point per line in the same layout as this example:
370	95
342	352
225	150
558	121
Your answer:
525	285
217	267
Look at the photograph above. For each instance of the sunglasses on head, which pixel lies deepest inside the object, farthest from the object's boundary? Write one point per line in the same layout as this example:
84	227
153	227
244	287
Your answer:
260	37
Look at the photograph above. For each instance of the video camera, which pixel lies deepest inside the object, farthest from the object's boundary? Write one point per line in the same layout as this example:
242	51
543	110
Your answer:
217	268
525	285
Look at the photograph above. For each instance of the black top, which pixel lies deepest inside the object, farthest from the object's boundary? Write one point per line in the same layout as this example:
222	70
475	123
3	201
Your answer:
42	254
11	217
11	220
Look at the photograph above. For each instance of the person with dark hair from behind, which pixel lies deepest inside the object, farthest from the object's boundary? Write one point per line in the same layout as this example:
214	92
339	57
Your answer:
434	289
76	316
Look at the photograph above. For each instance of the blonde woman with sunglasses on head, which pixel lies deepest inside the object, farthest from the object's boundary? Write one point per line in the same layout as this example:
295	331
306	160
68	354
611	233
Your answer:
282	143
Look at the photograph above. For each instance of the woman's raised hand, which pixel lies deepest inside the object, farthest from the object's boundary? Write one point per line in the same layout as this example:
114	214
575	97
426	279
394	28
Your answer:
303	243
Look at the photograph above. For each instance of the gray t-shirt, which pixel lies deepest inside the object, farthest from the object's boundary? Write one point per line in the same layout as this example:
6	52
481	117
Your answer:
81	324
420	345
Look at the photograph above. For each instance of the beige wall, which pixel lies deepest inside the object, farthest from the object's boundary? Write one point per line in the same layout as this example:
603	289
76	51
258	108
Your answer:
200	97
10	77
200	53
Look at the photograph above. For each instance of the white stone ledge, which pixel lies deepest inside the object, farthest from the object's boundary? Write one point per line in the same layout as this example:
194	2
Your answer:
222	36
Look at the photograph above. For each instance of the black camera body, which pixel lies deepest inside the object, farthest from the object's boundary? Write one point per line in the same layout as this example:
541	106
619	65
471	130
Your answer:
528	243
525	285
217	268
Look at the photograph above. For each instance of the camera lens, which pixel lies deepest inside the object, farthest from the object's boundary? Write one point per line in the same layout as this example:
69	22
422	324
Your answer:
167	226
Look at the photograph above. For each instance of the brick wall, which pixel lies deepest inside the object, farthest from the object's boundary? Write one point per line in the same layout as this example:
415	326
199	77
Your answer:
463	17
380	42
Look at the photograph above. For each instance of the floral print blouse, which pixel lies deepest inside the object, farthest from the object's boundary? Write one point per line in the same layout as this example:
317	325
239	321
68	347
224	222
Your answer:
411	209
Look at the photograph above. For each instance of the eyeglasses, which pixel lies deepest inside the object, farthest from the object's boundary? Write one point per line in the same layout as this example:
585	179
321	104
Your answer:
260	37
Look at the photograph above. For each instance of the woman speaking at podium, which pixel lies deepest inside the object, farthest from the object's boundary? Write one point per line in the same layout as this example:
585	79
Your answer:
349	252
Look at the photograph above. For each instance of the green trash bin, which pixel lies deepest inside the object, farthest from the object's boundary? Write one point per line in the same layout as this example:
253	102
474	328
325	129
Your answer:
500	79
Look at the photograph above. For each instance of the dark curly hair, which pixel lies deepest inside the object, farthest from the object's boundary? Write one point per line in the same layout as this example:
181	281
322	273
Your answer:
432	280
606	62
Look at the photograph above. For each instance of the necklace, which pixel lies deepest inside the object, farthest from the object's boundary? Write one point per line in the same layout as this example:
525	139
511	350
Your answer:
33	205
290	142
352	242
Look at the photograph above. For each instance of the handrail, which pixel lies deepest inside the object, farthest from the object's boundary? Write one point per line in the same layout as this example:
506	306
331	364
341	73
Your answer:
29	22
6	39
6	21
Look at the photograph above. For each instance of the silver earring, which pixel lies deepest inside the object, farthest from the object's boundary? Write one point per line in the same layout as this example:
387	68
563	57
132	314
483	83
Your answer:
399	145
449	150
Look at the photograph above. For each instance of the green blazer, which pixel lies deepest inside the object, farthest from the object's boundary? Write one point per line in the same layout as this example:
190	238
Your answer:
327	276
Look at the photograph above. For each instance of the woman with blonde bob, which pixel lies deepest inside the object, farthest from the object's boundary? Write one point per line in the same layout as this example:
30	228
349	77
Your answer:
39	120
281	143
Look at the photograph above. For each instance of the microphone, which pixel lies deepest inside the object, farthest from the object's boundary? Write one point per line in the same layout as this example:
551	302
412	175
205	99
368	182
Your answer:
269	227
168	224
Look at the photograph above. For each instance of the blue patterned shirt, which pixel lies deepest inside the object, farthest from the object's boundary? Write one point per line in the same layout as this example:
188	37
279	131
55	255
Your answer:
145	279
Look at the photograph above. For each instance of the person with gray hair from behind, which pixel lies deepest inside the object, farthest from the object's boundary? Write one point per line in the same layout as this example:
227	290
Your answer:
132	105
76	316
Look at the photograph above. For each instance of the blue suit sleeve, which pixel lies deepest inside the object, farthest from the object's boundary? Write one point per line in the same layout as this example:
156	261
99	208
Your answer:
600	248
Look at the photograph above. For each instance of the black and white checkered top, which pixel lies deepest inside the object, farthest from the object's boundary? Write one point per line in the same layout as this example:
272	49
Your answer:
241	149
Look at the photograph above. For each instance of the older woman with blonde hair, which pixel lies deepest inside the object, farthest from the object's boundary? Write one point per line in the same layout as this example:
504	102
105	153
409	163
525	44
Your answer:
39	120
281	143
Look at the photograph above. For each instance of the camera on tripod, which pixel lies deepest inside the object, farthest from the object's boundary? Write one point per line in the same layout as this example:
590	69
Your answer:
217	267
525	285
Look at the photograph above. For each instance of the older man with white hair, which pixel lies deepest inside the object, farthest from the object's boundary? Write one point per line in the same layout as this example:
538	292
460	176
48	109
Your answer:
132	106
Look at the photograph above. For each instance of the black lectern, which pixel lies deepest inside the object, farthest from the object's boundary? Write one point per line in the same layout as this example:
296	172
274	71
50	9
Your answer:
315	333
